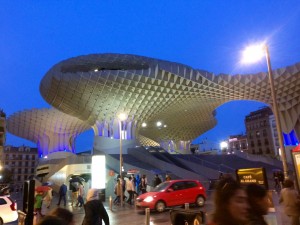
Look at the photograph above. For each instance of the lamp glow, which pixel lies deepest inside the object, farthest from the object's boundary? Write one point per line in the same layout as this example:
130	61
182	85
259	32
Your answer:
223	144
122	116
144	125
253	53
158	124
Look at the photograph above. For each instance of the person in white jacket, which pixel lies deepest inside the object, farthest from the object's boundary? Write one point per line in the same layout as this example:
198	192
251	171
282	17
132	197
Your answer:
130	190
48	198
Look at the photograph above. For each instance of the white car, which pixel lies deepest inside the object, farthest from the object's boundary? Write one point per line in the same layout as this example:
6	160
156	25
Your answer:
8	210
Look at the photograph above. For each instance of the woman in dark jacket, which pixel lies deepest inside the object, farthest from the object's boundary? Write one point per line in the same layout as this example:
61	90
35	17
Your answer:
94	210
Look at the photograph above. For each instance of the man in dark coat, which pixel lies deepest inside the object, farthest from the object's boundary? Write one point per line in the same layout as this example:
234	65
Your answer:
62	194
94	210
156	180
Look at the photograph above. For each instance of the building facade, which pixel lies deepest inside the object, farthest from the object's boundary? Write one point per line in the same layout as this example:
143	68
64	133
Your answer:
21	161
261	132
238	143
2	129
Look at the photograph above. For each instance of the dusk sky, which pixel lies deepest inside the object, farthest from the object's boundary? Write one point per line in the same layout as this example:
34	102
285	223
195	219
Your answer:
207	35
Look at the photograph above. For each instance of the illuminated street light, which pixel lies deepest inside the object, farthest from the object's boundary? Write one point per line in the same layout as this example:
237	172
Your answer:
122	117
144	125
158	124
224	145
253	54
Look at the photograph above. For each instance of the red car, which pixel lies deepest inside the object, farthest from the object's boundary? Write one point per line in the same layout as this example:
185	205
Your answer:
173	193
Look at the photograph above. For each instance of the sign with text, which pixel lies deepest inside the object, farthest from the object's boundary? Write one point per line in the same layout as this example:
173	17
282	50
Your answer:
252	175
296	161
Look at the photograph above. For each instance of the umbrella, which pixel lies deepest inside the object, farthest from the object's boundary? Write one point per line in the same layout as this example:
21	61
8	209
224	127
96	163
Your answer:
48	183
42	188
77	179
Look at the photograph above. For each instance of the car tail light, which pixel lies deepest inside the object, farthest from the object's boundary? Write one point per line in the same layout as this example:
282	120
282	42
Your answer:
13	205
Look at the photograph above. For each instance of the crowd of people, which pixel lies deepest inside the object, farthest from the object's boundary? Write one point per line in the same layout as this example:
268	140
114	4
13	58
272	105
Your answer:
95	212
234	204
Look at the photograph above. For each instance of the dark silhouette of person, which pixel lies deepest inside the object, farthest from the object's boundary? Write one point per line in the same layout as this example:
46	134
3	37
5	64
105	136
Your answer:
94	209
259	204
156	180
62	193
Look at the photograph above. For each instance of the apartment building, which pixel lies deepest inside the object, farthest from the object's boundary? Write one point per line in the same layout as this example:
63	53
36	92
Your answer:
21	161
261	134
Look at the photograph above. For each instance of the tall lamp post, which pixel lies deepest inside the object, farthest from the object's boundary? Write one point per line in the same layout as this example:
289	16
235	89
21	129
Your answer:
253	54
122	117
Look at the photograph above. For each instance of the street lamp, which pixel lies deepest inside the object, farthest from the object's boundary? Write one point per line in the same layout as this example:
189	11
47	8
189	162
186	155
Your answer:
253	54
122	117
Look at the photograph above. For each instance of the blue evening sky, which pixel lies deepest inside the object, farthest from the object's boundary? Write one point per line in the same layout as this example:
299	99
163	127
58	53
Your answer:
206	34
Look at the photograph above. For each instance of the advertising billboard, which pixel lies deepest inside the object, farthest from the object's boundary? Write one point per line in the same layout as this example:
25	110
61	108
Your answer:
252	175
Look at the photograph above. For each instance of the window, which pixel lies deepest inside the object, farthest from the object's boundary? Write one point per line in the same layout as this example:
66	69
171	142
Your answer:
33	157
257	134
27	157
264	133
253	151
190	184
178	186
260	151
252	144
2	201
268	151
266	142
250	135
258	142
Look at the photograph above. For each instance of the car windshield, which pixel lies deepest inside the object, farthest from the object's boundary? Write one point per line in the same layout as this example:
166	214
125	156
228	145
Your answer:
161	187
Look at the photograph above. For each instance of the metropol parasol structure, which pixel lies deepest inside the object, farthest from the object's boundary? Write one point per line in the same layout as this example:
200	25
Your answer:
90	91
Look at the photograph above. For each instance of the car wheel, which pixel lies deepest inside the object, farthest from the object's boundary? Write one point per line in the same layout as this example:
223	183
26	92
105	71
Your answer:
160	206
200	200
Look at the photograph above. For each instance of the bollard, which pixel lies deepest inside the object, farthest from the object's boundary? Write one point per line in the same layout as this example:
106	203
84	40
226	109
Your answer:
186	206
110	203
147	213
134	199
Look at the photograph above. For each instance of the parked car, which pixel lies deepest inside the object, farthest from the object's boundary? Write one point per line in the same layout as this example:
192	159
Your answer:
8	210
173	193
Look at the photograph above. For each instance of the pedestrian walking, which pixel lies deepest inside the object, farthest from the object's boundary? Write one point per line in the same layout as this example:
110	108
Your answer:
62	194
80	195
94	209
48	198
156	180
130	190
38	202
291	203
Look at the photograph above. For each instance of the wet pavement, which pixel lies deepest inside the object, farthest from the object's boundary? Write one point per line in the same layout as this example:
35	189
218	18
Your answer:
129	214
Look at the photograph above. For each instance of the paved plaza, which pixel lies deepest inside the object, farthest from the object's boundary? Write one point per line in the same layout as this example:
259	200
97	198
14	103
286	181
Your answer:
130	215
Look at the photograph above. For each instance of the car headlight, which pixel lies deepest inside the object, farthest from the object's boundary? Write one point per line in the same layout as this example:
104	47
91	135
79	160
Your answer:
148	199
